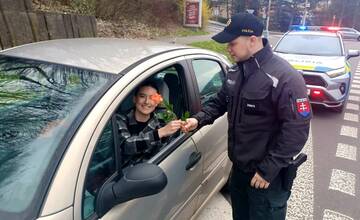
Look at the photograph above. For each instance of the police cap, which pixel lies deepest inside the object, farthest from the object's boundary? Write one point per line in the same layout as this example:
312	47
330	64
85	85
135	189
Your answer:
241	24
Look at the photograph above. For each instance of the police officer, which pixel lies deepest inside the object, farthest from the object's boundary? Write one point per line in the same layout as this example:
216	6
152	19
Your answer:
268	115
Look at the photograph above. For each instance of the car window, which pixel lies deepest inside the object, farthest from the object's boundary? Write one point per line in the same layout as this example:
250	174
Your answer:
168	81
104	161
102	166
310	45
39	104
209	77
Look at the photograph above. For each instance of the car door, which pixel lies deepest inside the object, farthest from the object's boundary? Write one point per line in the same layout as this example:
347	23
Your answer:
348	33
179	160
211	140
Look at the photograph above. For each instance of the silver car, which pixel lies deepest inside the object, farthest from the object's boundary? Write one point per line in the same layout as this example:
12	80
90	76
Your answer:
59	153
321	59
349	33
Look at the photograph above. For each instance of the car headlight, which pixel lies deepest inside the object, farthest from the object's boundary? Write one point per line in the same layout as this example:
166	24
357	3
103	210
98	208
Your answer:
337	72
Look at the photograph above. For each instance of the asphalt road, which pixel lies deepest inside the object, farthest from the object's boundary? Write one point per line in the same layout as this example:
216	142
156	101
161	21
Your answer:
327	186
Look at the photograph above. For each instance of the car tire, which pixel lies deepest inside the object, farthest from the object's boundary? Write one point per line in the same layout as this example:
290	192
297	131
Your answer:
358	38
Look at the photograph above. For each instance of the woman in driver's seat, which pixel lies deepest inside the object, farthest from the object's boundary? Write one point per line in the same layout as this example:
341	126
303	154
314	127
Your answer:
141	132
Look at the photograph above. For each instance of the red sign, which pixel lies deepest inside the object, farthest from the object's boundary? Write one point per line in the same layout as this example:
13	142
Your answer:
192	13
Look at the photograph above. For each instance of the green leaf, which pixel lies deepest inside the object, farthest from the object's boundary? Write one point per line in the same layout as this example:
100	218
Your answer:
185	116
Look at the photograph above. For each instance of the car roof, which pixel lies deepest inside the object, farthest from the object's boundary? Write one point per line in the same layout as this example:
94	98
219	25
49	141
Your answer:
318	33
101	54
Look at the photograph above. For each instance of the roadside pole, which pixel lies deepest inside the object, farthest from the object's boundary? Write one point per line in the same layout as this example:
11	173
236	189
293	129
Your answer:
266	32
305	13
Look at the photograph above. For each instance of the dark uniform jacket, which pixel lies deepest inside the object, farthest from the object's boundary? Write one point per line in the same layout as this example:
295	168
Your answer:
268	113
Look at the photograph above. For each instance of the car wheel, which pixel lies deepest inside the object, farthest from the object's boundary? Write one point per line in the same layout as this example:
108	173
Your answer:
358	38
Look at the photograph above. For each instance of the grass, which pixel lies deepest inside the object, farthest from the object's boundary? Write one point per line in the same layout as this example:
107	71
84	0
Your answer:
185	32
214	46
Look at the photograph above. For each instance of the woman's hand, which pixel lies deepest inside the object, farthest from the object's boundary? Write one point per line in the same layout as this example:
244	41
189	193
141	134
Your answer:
170	128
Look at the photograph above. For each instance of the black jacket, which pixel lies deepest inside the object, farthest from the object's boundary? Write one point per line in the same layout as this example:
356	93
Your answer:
268	113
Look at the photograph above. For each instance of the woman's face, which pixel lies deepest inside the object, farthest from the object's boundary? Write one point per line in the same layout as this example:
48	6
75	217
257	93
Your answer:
143	102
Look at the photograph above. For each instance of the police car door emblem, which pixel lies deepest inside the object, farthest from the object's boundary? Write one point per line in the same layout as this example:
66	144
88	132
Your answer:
303	107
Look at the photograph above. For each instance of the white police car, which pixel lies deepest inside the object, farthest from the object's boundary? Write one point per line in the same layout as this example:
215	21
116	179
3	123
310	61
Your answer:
318	53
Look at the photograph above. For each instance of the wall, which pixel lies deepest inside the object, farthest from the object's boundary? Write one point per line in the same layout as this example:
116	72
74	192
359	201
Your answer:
19	24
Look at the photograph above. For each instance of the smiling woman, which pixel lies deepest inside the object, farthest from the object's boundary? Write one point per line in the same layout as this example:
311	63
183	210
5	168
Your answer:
39	103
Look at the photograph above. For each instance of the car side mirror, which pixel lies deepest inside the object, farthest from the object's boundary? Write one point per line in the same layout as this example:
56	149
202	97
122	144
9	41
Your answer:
141	180
352	53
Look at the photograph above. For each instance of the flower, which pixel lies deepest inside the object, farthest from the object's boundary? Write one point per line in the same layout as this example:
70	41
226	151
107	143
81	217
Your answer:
157	98
167	115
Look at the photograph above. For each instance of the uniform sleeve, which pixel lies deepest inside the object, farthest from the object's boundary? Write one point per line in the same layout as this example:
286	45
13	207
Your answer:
294	113
135	144
214	108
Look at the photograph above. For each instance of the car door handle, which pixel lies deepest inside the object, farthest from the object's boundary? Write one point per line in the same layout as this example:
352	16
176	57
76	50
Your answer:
193	160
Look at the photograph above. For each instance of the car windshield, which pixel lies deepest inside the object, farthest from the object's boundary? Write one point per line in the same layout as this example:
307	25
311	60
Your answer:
310	45
38	104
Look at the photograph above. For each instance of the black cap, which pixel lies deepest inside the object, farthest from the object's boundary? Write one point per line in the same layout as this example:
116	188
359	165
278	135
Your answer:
242	24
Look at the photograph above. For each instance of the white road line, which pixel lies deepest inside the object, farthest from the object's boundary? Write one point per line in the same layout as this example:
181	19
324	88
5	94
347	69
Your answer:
301	202
351	117
346	151
352	106
355	86
332	215
355	91
342	181
349	131
354	98
356	81
356	77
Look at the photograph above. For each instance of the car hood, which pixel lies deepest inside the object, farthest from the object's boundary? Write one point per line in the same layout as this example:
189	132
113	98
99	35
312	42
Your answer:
314	63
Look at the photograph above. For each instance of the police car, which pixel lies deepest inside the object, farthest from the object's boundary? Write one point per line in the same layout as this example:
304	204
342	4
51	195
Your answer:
319	55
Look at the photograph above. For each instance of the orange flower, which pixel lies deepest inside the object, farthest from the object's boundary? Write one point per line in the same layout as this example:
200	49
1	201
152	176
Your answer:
157	98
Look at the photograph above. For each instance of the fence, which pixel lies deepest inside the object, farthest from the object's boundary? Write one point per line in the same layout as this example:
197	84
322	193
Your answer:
19	24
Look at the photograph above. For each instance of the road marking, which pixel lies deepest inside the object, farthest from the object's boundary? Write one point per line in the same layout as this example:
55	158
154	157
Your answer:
348	131
332	215
342	181
356	77
356	81
346	151
354	98
301	202
352	106
356	86
351	117
355	91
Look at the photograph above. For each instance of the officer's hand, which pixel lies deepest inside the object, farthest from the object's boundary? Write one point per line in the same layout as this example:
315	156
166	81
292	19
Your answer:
189	125
258	182
170	128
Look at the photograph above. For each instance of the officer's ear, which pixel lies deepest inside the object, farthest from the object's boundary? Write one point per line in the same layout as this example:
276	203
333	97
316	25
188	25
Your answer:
253	41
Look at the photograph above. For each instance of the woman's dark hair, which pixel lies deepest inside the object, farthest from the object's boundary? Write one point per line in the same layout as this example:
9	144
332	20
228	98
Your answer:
149	83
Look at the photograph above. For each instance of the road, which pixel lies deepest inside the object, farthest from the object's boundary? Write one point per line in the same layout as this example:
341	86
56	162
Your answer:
327	186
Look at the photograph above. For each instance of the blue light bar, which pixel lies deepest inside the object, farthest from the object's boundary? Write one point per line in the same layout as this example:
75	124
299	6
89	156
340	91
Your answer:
298	28
304	28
